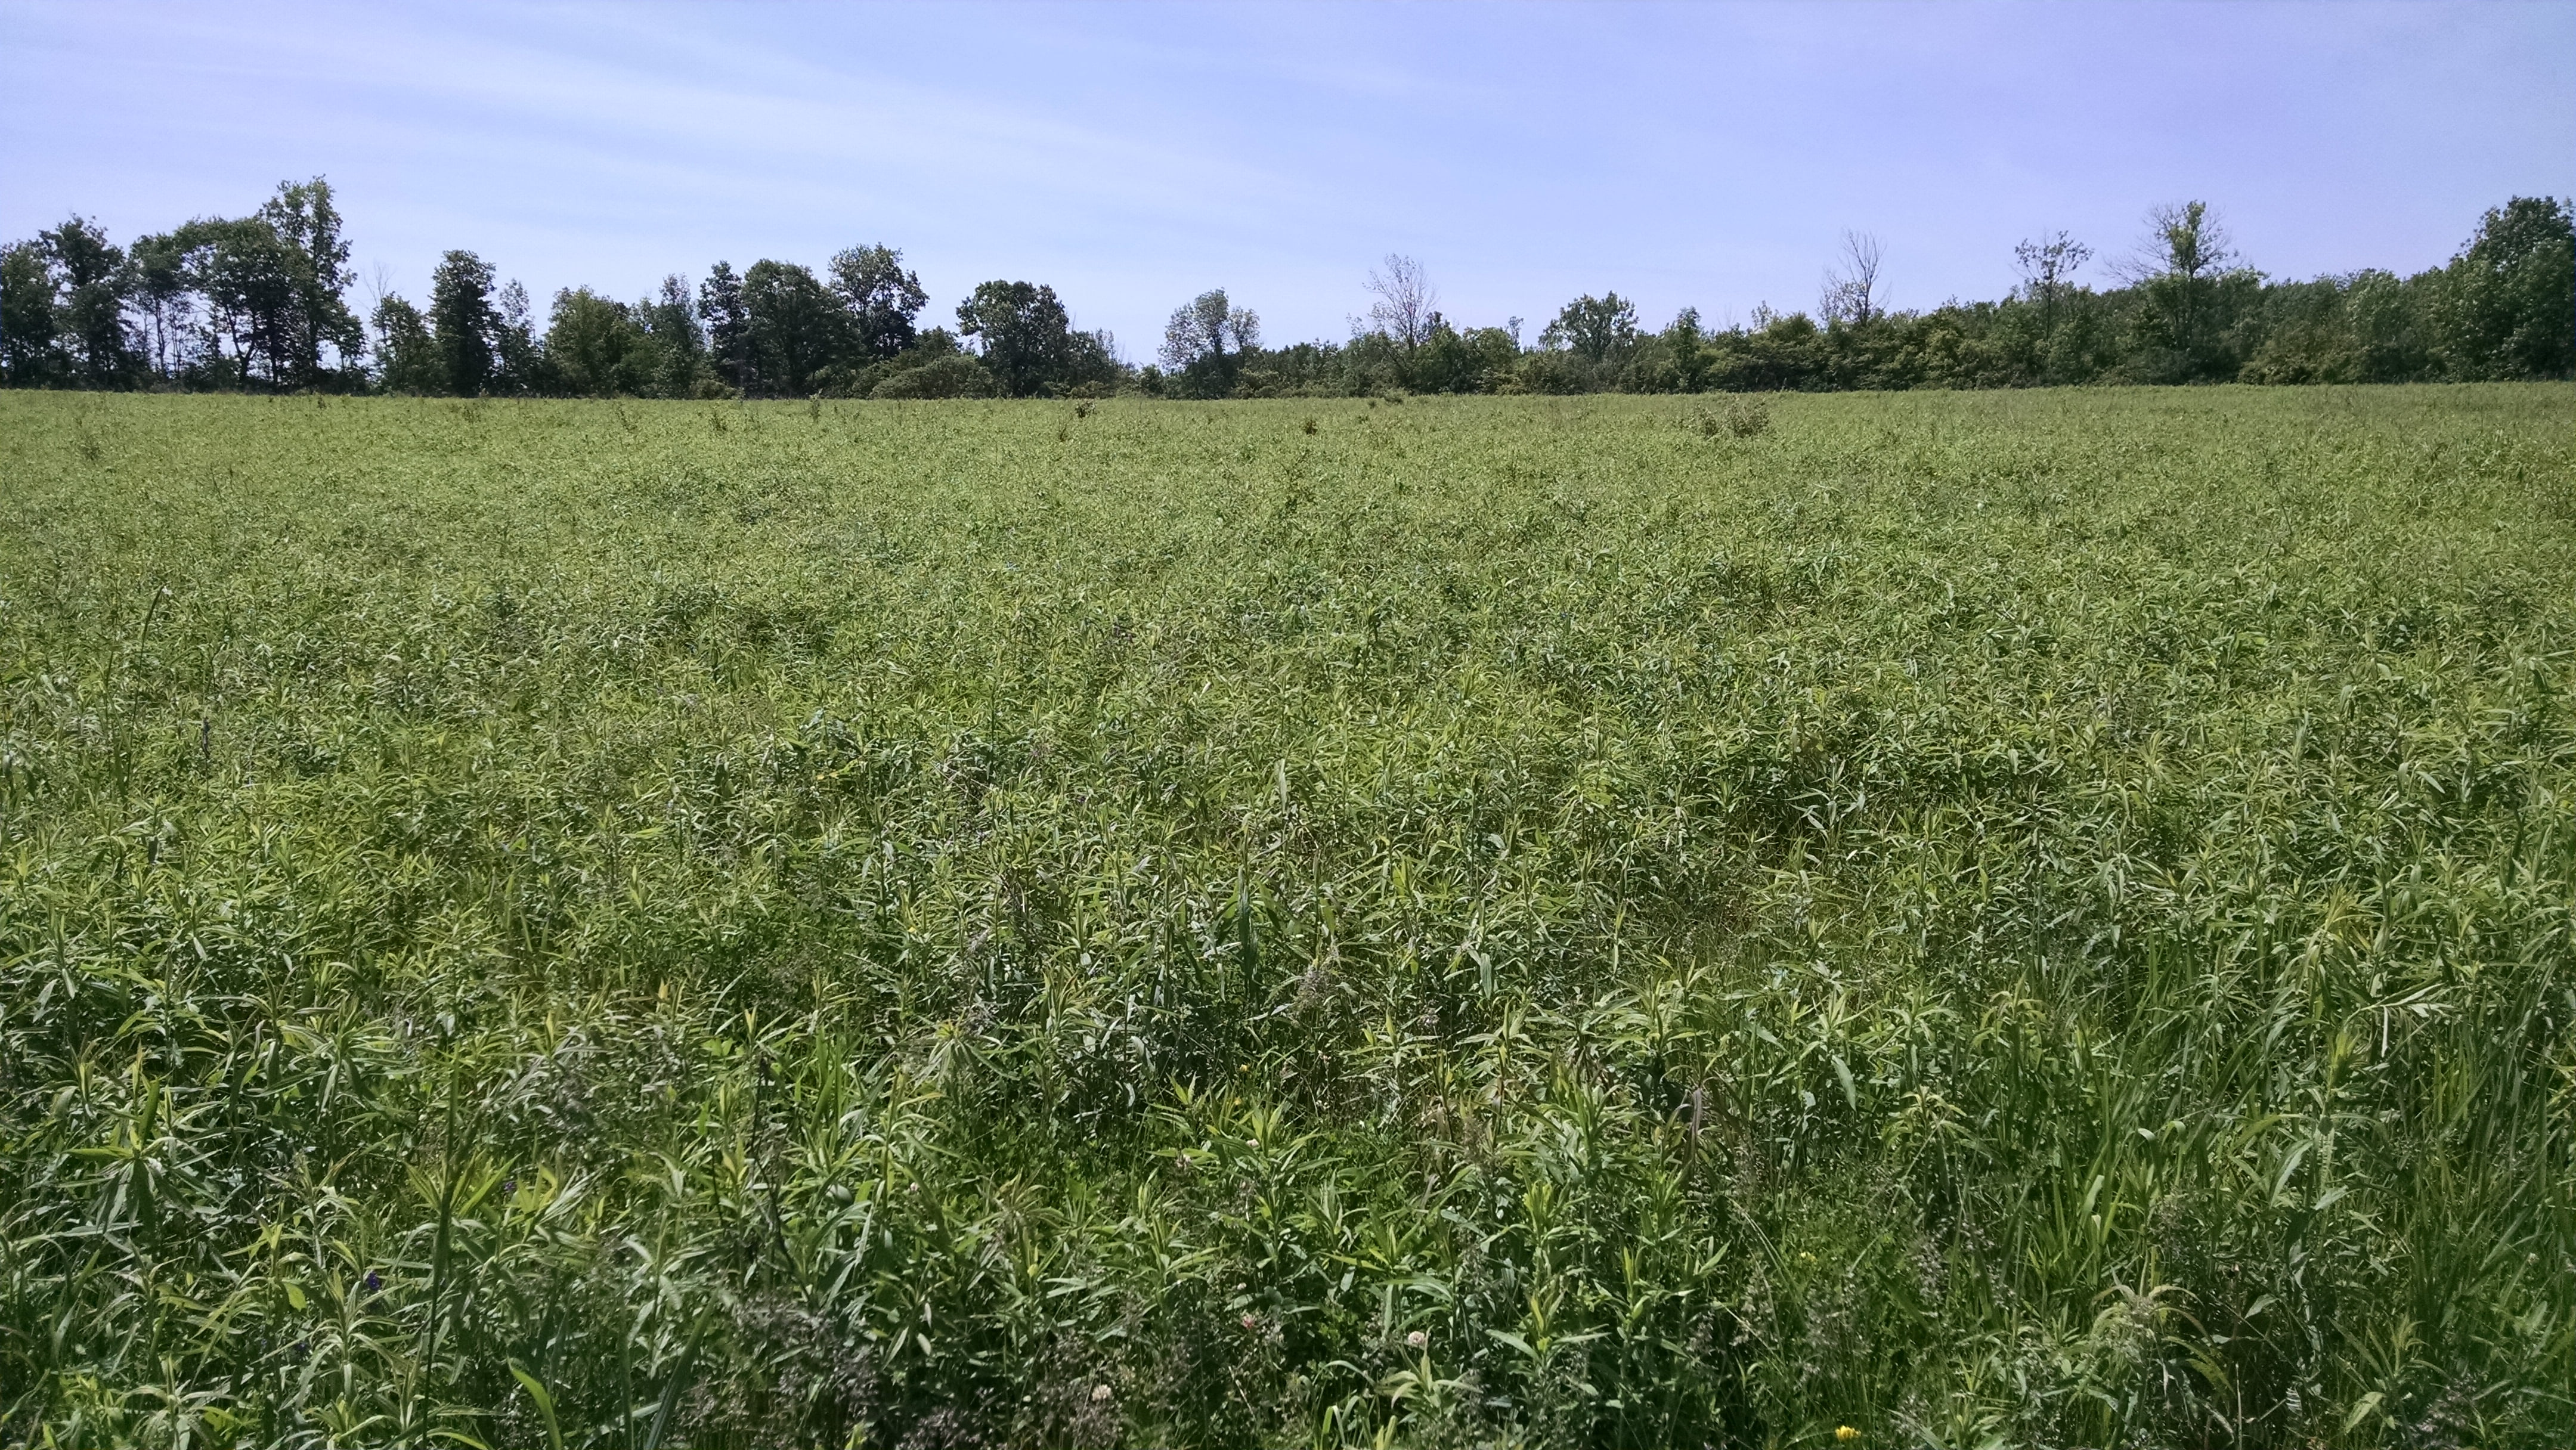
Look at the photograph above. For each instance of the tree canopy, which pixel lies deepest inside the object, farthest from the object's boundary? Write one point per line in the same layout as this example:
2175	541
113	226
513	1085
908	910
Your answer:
260	301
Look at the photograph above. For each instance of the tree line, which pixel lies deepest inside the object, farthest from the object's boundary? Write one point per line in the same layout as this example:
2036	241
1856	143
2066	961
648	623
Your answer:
261	302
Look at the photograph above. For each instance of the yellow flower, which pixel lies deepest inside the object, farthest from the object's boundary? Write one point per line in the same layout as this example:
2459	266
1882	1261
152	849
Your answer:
1846	1434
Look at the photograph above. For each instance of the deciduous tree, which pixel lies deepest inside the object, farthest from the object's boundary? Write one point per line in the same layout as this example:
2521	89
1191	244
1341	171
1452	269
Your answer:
597	347
406	351
882	298
314	260
29	295
1595	329
2508	301
1206	339
1851	287
796	326
728	323
1025	334
1406	301
92	307
464	323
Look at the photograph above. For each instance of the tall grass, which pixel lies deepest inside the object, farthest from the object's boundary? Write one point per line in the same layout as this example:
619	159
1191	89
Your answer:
1986	921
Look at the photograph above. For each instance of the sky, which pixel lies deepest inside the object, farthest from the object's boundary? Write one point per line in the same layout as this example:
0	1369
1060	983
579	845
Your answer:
1134	155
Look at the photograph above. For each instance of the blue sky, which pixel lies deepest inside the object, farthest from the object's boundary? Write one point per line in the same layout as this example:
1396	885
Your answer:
1133	155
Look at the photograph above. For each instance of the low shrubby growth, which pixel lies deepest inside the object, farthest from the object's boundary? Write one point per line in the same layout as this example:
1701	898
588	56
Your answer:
2019	919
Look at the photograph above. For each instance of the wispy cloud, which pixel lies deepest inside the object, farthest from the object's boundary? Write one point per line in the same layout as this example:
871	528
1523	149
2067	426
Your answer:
1134	154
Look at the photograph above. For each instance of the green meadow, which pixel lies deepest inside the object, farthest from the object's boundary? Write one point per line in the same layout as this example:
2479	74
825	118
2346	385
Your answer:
2014	919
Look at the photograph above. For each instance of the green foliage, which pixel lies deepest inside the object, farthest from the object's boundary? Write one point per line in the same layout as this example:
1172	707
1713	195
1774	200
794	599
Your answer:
1205	343
241	270
795	327
934	372
408	359
2014	919
1026	335
163	288
466	324
1595	329
882	297
90	312
259	302
2187	296
2508	301
30	297
600	348
313	260
671	321
728	327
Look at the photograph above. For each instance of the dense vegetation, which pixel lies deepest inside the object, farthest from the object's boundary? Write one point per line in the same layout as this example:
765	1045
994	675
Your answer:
2004	919
260	303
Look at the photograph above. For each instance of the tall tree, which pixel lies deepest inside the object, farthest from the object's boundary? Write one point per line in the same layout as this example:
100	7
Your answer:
164	291
521	364
1206	339
92	309
1686	340
2507	302
245	273
464	323
2177	268
1026	335
597	347
797	327
1851	287
1406	301
29	296
315	259
882	298
670	318
2048	268
720	307
407	353
1593	328
680	345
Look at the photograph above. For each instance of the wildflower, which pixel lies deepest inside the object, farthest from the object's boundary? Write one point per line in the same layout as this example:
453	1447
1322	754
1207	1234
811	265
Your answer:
1417	1339
1251	1322
1099	1394
374	1281
1846	1434
1252	1142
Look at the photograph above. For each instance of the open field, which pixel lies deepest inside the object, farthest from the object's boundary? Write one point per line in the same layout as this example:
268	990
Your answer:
2009	919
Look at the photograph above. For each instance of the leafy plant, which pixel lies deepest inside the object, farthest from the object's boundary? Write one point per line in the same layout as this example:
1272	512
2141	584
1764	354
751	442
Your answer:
2008	919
